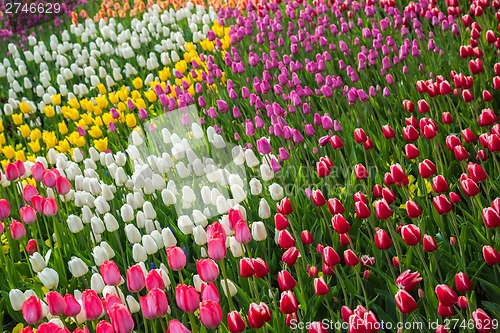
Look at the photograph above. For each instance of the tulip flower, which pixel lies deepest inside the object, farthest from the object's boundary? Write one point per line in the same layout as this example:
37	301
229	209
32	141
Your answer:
210	314
209	292
175	326
258	315
382	209
154	279
154	304
121	318
490	255
446	296
235	323
429	244
4	209
91	305
411	234
340	224
288	302
32	310
405	302
17	230
135	279
408	280
176	258
286	280
187	298
483	322
207	270
110	273
261	268
320	286
73	308
462	283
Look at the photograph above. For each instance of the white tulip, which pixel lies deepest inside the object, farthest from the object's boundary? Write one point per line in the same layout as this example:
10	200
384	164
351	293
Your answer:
238	194
200	235
168	237
127	213
276	191
139	253
149	211
185	224
264	209
198	282
97	225
250	158
168	197
17	298
97	283
49	278
100	255
77	267
222	205
109	250
37	262
132	304
111	222
259	232
235	247
266	172
228	285
149	244
75	224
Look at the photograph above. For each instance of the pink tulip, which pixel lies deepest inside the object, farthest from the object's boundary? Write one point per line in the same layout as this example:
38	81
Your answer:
175	326
17	230
28	192
32	310
210	314
135	279
176	258
62	185
28	214
187	298
154	280
121	318
50	207
92	306
4	209
154	304
104	327
37	171
56	303
110	273
207	270
73	308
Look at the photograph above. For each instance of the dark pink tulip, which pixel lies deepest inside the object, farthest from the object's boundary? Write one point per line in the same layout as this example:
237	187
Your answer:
176	258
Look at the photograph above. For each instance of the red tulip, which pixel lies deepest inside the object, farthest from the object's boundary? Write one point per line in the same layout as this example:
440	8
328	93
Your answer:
405	302
345	239
121	318
388	195
362	210
31	247
446	296
408	106
261	267
360	135
320	286
426	168
469	187
377	190
210	314
429	244
350	258
281	222
286	280
246	267
462	283
413	209
487	96
317	327
258	315
411	234
104	327
110	273
317	198
235	323
439	184
363	321
290	256
423	106
491	217
288	302
463	302
187	298
442	205
446	117
285	239
477	172
360	171
382	239
12	172
408	280
483	322
32	310
490	255
382	209
460	153
346	313
340	224
388	132
410	133
284	206
397	173
468	135
330	257
306	237
445	311
335	206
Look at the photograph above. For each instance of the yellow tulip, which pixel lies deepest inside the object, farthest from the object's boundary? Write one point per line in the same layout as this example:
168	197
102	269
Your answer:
131	121
25	130
122	107
9	152
140	103
87	118
20	155
102	102
74	103
63	146
56	99
24	107
207	45
79	141
36	134
74	114
101	145
189	47
150	95
17	119
49	138
107	118
95	132
30	180
98	121
35	146
191	90
1	125
63	129
187	56
181	66
2	139
113	98
101	88
137	83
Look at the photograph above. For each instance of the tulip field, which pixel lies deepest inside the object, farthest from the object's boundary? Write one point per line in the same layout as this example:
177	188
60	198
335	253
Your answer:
250	166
